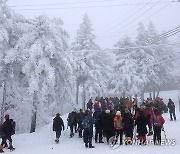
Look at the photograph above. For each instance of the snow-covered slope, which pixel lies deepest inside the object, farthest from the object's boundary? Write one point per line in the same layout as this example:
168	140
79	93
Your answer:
42	141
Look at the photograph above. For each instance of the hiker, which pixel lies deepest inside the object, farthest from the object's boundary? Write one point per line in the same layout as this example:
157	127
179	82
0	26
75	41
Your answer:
157	121
118	125
80	118
171	107
88	129
58	126
8	129
98	125
128	126
141	123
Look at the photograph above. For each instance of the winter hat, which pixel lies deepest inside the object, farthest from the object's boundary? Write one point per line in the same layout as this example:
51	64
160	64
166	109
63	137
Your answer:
87	112
156	112
107	111
118	113
6	116
58	114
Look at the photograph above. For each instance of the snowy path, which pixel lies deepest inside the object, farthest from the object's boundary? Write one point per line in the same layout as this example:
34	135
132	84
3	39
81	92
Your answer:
42	142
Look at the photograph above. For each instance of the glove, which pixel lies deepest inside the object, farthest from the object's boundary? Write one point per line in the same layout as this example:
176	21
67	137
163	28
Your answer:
162	128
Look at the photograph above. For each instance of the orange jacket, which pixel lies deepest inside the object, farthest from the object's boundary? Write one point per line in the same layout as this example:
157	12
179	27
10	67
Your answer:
115	120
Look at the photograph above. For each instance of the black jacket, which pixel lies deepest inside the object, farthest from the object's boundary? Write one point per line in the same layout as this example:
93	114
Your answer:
8	127
128	121
141	122
108	122
171	106
58	124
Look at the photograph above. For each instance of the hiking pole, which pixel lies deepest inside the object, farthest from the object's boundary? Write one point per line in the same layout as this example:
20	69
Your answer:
164	133
134	133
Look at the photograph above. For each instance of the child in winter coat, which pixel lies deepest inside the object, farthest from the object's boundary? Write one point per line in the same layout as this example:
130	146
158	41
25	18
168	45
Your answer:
118	125
157	121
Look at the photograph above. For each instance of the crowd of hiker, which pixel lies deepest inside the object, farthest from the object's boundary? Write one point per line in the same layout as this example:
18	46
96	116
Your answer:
123	118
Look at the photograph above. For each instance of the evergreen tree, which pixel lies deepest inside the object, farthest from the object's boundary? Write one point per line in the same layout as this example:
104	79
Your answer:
91	71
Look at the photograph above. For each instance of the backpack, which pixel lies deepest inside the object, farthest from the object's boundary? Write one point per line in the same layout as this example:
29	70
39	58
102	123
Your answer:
70	119
1	129
13	126
86	123
157	121
119	124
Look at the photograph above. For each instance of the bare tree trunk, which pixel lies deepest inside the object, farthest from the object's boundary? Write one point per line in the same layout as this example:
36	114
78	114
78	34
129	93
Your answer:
4	93
150	95
158	92
154	92
34	112
77	91
142	96
3	102
124	94
84	96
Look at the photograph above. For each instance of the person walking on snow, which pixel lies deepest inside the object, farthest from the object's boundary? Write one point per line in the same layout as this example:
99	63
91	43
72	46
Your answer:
88	129
157	121
141	123
171	107
58	126
7	132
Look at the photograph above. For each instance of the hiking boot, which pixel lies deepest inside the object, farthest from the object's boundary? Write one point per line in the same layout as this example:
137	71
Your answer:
57	140
86	145
5	146
91	146
101	142
11	148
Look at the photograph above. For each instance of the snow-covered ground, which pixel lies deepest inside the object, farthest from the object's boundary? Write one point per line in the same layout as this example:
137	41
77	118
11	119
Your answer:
42	141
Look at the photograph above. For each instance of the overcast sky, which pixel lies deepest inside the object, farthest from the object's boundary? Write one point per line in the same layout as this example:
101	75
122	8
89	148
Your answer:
111	19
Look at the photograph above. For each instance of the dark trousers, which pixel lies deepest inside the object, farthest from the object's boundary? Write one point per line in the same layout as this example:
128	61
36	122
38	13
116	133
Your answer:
129	132
109	134
87	136
98	134
157	135
80	129
172	115
119	132
4	138
71	130
58	134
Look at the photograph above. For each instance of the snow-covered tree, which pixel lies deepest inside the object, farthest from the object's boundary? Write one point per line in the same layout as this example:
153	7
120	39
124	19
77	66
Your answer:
85	39
42	51
156	56
91	62
14	100
127	75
